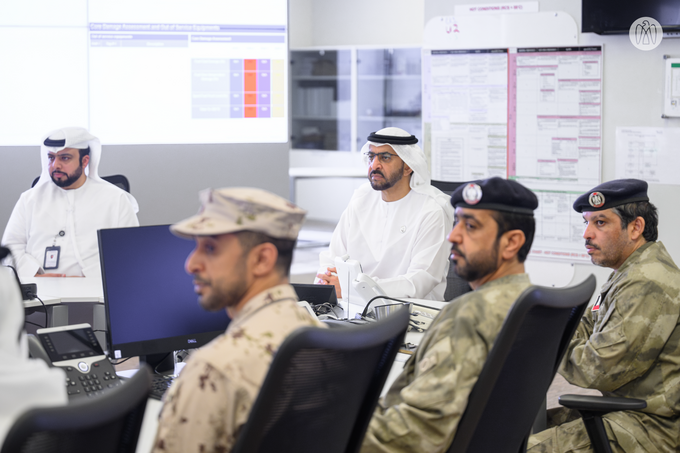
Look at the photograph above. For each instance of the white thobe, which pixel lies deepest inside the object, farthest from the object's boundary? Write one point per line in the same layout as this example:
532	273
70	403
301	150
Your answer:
46	210
24	383
400	244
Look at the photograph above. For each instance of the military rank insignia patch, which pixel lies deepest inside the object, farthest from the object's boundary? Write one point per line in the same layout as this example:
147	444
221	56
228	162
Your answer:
472	193
596	200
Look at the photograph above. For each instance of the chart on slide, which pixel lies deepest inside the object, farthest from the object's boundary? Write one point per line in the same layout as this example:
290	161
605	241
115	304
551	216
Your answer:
237	88
151	72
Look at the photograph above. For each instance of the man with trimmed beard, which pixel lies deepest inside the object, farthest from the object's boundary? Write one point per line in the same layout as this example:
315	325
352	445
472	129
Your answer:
52	231
491	237
244	247
628	343
394	226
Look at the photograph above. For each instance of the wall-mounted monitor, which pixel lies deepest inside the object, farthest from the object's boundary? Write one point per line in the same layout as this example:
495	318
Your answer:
616	16
145	72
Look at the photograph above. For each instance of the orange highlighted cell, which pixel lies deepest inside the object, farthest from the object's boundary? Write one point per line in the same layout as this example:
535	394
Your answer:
250	99
250	65
250	112
250	81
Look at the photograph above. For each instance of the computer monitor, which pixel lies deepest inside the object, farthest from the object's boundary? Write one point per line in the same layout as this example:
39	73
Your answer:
150	302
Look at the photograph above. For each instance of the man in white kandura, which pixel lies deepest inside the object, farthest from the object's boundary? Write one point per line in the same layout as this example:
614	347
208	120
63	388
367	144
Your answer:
394	226
24	383
52	231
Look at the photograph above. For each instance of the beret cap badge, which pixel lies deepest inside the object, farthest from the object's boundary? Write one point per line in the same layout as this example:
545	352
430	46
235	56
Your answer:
596	199
472	193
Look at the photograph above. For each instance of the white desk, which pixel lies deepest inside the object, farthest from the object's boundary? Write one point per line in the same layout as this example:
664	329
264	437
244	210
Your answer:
57	292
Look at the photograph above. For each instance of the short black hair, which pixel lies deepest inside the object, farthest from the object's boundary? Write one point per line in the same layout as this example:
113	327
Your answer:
83	153
630	211
285	247
508	221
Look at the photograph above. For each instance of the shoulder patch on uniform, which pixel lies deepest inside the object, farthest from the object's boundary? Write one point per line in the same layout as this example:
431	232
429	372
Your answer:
596	306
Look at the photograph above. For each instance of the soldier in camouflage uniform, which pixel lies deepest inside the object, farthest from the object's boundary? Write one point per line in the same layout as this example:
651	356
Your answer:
244	246
492	234
628	343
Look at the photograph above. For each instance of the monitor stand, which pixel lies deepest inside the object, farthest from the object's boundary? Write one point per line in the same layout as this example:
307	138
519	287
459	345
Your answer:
160	363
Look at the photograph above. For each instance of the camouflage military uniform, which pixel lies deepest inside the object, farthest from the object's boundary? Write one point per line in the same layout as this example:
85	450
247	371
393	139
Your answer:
628	347
422	409
211	399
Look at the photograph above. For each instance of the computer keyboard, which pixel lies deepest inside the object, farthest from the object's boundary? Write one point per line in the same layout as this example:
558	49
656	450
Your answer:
160	384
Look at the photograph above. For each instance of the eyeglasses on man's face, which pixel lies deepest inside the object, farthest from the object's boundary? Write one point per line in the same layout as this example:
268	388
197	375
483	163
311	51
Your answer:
384	158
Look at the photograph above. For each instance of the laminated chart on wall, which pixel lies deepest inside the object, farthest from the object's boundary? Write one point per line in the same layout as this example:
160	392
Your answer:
555	138
465	105
648	153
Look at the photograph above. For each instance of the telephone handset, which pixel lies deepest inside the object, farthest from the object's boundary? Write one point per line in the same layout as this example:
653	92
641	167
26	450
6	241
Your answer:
76	350
353	283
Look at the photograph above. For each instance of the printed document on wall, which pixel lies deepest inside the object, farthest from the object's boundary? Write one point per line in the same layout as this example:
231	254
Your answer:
555	138
648	153
465	107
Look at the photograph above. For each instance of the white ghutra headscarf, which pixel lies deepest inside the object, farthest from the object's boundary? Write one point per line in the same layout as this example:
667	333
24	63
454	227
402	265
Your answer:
78	138
405	145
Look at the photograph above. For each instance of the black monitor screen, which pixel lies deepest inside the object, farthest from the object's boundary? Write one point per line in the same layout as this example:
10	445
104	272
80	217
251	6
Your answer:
616	16
150	301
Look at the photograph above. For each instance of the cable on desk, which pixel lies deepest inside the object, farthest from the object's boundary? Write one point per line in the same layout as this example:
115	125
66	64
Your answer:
33	324
25	292
119	361
397	300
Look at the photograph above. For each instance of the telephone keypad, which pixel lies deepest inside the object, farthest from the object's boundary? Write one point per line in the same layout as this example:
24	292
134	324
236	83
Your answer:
90	384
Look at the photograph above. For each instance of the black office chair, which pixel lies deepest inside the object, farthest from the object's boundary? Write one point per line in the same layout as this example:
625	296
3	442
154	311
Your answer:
455	286
592	408
105	424
446	186
322	388
117	180
520	368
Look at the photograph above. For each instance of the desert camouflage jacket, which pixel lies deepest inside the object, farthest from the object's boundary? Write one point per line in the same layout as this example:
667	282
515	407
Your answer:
211	399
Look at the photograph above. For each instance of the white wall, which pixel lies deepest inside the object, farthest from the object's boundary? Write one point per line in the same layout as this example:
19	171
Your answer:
361	22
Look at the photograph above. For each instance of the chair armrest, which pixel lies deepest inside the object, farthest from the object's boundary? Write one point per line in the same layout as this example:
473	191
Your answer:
601	404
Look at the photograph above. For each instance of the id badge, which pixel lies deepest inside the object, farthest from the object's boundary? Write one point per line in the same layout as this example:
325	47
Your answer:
51	257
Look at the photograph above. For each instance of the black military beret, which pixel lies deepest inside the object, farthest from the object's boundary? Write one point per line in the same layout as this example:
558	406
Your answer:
497	194
611	194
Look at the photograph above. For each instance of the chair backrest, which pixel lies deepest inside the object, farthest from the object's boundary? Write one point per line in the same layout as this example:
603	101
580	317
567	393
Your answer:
322	388
108	423
446	186
520	368
117	180
455	286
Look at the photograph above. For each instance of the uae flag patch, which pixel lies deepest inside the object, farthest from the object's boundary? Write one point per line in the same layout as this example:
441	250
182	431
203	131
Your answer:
596	307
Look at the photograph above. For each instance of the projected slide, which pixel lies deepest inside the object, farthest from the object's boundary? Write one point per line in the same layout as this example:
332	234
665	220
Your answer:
144	72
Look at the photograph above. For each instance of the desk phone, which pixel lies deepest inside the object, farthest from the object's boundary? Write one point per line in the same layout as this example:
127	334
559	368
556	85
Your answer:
76	350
